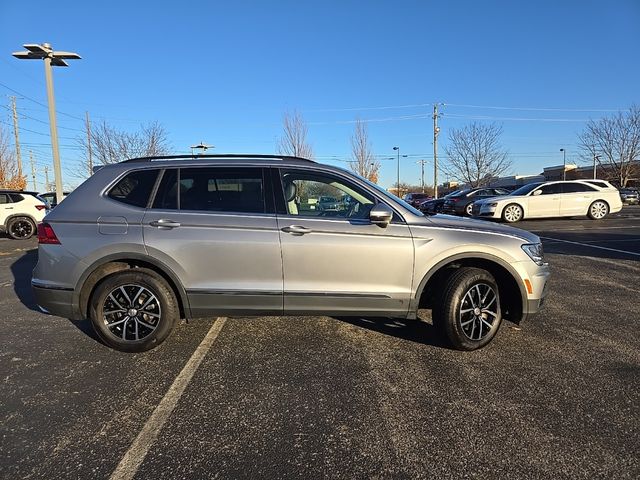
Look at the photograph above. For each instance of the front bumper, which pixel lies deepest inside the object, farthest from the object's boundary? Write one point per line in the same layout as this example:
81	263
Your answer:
54	300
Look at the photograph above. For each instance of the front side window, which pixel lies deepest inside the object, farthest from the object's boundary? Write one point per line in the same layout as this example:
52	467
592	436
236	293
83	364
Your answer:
551	189
135	188
221	190
320	195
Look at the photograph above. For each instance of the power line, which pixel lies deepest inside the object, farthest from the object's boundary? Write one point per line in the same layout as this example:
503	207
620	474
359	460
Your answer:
37	102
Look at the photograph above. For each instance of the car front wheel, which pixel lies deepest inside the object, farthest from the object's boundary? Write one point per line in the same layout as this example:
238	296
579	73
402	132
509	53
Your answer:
598	210
133	310
512	213
468	210
468	312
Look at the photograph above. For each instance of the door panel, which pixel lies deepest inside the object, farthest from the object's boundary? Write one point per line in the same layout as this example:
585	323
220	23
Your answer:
575	199
545	205
227	261
334	262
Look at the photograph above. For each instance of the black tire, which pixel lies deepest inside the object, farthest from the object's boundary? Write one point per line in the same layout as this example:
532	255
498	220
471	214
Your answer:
21	228
468	210
512	213
151	325
598	210
459	326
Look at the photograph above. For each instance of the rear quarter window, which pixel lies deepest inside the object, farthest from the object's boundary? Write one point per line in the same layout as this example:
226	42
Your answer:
135	188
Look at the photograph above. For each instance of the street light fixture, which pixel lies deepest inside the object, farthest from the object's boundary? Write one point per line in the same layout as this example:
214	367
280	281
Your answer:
201	146
51	58
564	164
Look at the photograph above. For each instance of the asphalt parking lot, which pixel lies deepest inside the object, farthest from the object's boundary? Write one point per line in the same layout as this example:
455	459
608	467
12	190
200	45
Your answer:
320	397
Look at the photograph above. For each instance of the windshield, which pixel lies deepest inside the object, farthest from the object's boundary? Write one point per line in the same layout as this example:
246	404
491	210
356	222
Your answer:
389	195
526	189
457	193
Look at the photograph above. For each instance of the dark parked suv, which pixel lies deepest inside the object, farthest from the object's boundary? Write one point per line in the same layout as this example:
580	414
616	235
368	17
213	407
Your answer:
147	241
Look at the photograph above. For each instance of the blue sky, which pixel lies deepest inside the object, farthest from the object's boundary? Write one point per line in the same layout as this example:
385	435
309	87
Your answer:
225	72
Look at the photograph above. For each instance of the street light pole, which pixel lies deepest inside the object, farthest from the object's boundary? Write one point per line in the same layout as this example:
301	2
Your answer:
45	52
595	157
57	173
564	164
398	184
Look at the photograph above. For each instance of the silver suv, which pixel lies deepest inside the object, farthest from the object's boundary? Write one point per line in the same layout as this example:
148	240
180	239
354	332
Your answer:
148	241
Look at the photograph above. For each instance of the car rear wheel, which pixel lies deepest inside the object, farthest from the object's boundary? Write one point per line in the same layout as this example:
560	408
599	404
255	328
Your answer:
468	311
598	210
134	310
21	228
512	213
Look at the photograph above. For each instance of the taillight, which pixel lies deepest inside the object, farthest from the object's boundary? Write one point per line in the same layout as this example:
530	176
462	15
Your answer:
41	207
46	235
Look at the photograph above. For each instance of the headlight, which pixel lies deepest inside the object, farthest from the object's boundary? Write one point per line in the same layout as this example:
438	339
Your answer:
535	252
494	204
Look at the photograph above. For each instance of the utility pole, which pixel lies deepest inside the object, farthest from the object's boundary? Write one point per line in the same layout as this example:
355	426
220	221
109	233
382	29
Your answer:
17	134
88	125
33	170
595	157
422	162
46	178
436	131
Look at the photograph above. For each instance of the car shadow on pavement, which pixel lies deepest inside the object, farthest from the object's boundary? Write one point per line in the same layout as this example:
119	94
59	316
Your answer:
416	331
21	270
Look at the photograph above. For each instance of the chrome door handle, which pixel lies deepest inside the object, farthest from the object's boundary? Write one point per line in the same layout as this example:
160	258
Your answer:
164	223
296	229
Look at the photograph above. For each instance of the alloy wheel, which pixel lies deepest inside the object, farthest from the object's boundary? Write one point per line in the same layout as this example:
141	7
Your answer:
22	229
478	311
512	213
131	312
598	210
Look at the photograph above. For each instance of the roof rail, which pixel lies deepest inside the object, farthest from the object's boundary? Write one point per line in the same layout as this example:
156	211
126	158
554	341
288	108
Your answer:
217	155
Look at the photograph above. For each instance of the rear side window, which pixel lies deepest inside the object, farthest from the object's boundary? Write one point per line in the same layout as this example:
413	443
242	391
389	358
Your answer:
212	190
598	184
16	197
135	188
576	188
4	198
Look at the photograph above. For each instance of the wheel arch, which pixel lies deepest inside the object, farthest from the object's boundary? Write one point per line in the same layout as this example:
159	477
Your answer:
115	263
17	215
513	298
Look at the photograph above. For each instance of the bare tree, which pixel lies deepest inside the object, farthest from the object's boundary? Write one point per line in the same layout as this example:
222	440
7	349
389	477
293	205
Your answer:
8	166
294	140
475	155
110	145
363	162
616	141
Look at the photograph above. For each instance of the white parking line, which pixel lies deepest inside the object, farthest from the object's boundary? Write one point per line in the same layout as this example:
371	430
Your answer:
138	450
636	254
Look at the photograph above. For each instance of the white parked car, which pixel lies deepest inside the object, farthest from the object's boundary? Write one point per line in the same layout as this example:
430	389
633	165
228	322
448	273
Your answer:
20	212
593	198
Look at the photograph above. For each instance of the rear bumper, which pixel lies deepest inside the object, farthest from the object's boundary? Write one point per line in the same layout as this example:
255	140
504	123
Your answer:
54	300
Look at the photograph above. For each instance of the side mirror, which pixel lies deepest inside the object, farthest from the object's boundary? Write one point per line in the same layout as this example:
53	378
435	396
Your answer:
381	214
536	193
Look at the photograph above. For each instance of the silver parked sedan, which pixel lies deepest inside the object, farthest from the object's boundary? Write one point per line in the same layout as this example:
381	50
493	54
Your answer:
147	241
